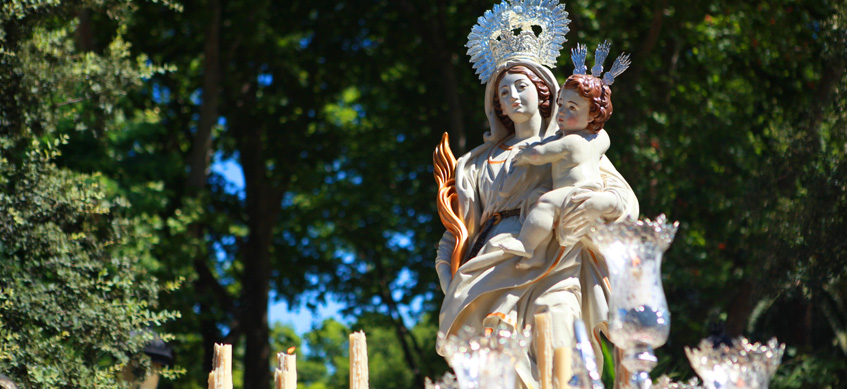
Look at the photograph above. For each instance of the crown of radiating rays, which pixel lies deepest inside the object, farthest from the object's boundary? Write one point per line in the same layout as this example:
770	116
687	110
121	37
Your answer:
507	32
578	57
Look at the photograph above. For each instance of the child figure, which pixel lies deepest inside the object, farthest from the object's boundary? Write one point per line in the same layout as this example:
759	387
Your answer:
584	107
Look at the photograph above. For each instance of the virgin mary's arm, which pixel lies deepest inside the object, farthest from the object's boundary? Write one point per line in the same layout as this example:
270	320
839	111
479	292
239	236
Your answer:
625	203
615	202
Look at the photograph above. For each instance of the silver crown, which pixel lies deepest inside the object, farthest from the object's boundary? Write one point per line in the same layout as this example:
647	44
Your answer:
578	57
506	32
599	57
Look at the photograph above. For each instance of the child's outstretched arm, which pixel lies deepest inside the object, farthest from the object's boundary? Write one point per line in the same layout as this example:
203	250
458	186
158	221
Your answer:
547	152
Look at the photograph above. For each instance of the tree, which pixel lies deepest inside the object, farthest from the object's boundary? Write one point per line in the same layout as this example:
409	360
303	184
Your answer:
731	120
325	359
76	301
300	134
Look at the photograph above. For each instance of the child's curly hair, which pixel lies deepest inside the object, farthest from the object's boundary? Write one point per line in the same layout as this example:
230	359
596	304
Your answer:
597	93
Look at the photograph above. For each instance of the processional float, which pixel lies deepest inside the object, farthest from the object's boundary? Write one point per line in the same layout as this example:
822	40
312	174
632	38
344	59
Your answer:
531	33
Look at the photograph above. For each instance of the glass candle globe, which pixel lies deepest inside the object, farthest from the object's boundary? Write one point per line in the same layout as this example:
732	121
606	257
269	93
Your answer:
639	319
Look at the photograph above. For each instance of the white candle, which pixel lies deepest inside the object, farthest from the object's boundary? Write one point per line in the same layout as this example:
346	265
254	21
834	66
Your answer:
544	349
221	375
285	375
562	366
358	361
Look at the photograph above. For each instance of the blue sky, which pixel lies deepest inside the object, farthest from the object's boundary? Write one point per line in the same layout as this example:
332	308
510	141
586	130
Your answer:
300	317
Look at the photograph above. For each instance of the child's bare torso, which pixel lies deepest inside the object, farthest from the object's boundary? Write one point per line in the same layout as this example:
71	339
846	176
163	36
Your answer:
575	160
580	163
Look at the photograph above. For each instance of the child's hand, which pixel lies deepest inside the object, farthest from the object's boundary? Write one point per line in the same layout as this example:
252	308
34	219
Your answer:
525	157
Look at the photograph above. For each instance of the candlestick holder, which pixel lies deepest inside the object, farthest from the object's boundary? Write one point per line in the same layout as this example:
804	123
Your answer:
586	375
639	319
447	381
665	382
739	365
485	360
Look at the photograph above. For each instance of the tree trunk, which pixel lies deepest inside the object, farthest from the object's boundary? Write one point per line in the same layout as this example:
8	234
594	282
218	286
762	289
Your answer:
198	164
84	34
263	207
652	36
402	332
434	32
400	328
739	310
458	137
201	147
256	284
10	86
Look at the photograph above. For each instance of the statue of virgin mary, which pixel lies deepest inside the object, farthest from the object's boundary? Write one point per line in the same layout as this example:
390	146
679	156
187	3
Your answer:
485	198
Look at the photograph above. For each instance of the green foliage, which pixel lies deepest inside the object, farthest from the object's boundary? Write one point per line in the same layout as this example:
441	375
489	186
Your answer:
806	371
329	346
731	120
323	361
608	376
76	304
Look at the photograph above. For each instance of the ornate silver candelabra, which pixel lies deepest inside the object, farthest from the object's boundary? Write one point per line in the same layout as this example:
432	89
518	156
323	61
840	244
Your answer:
639	319
448	381
740	365
485	360
586	375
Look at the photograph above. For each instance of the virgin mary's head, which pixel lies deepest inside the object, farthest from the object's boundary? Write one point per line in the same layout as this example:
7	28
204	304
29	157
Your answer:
545	101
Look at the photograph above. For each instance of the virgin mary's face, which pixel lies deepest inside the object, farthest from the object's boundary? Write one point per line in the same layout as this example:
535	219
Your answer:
518	97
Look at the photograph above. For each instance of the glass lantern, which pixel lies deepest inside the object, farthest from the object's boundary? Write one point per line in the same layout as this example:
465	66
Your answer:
639	319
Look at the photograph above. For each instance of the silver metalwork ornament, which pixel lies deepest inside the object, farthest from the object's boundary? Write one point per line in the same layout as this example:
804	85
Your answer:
621	63
578	58
447	381
740	365
600	55
493	42
586	375
580	52
485	360
639	319
665	382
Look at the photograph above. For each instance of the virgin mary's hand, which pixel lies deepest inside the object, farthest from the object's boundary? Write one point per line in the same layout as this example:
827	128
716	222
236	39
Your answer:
589	206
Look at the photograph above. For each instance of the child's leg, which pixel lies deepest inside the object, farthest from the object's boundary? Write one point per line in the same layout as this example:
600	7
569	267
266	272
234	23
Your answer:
539	223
